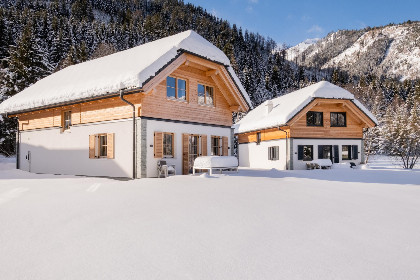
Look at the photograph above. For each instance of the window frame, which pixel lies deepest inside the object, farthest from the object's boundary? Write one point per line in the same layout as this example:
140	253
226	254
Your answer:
303	153
66	123
205	95
164	146
100	146
273	153
177	89
338	113
219	146
315	125
349	152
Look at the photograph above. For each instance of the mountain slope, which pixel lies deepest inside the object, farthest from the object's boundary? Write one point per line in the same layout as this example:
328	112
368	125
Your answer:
392	51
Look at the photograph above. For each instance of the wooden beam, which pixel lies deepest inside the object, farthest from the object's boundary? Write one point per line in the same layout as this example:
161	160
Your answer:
212	73
234	108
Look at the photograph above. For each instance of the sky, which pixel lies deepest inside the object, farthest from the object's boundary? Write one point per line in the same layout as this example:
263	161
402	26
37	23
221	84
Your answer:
293	21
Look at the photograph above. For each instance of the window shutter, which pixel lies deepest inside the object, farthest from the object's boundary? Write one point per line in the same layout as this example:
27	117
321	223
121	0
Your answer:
185	146
300	152
158	144
225	146
204	145
110	145
91	146
276	149
336	156
355	152
320	151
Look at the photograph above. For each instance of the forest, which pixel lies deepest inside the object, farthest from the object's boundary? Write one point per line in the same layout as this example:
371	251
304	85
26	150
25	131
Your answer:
38	38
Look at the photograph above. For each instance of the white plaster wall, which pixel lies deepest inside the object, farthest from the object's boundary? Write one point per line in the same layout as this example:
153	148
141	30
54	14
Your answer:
178	129
56	152
256	156
300	164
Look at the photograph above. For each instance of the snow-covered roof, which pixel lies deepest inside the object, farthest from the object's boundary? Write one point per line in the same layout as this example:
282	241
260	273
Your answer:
287	106
126	69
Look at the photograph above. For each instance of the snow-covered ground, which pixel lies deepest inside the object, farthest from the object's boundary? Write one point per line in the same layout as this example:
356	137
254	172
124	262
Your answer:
256	224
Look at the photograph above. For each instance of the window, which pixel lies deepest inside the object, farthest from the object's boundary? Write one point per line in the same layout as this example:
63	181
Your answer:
325	152
163	144
258	138
205	95
314	119
101	145
168	144
216	146
306	152
338	119
66	120
273	153
176	88
346	152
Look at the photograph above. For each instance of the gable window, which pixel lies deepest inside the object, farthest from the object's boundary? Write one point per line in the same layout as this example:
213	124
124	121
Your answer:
338	119
306	152
66	120
205	95
216	146
273	153
101	145
346	152
314	119
176	88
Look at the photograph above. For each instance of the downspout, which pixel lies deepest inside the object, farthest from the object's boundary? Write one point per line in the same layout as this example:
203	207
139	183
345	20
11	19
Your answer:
134	132
287	149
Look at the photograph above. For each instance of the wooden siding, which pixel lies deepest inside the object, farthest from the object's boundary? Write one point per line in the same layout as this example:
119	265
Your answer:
353	129
88	112
266	135
157	105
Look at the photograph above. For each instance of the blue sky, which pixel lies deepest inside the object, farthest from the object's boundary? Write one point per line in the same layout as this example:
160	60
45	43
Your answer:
292	21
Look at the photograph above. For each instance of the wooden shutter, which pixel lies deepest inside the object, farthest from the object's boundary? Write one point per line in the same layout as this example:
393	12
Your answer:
185	145
336	156
204	145
320	151
355	152
277	153
92	146
110	145
300	152
158	144
225	145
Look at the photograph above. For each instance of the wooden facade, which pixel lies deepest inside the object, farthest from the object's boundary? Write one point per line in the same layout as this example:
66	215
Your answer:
152	100
297	127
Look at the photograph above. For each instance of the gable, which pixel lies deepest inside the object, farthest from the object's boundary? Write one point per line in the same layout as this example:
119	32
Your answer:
206	70
334	105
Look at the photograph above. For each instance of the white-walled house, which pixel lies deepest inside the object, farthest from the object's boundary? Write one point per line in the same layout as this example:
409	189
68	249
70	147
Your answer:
321	121
118	115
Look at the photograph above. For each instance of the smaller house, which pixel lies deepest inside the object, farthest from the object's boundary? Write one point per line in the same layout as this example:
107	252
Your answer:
321	121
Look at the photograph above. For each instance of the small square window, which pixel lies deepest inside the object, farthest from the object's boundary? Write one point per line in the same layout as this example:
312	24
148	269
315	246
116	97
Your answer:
273	153
338	119
205	95
314	119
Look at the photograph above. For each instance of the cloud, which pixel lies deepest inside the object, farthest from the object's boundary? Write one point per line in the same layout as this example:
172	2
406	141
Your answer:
249	9
253	1
214	12
315	29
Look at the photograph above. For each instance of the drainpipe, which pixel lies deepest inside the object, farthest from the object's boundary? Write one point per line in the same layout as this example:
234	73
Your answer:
287	149
134	132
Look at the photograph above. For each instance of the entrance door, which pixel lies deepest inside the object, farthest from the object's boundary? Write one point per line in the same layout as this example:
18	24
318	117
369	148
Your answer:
193	146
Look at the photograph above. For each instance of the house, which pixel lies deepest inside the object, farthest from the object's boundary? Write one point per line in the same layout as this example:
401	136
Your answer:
321	121
118	115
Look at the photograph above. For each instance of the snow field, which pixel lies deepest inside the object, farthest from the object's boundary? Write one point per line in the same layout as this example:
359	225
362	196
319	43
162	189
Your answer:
257	224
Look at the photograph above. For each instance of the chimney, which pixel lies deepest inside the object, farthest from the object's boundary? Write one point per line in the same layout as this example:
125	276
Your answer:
269	106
